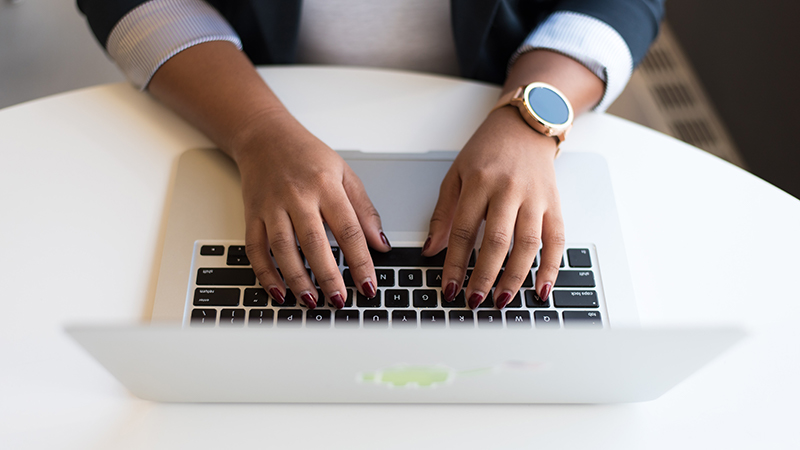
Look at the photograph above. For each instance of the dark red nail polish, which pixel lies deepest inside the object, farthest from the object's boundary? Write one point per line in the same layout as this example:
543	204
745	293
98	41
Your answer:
502	300
427	244
276	294
338	301
450	291
545	292
369	289
309	300
385	240
475	299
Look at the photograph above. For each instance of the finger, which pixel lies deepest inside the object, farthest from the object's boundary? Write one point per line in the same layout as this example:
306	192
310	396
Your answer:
367	215
344	225
280	233
527	238
467	221
257	250
552	251
501	217
442	217
317	249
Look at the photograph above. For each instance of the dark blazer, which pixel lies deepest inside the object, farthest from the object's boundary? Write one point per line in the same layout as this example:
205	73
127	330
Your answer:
487	32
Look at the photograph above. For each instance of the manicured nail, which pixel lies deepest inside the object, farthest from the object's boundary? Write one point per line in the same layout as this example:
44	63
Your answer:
475	299
427	244
450	291
276	294
309	300
503	300
337	300
385	240
545	292
369	289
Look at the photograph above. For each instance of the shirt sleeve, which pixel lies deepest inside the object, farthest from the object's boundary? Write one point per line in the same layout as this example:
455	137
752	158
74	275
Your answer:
591	42
155	31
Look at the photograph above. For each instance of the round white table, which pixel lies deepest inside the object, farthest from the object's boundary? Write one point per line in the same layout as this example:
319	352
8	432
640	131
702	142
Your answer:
84	178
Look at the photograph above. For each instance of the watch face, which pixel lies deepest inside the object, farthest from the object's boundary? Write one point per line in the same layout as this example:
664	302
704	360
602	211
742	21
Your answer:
548	105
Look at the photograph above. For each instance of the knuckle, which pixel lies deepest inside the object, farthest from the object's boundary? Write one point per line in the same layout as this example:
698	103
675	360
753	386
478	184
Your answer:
514	278
296	278
327	279
350	234
482	279
498	238
557	238
314	240
462	236
359	263
549	267
528	242
282	241
262	272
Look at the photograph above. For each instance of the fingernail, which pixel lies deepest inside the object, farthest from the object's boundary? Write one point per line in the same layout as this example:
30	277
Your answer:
545	292
337	300
475	299
385	240
369	289
450	291
427	244
276	294
503	300
309	300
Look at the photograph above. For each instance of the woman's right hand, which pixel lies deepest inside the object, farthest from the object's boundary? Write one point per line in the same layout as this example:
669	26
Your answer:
292	185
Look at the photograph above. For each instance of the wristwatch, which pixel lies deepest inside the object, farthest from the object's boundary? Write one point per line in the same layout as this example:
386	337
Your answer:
544	108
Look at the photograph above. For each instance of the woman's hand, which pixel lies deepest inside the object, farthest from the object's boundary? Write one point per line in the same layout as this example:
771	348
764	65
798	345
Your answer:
292	183
504	175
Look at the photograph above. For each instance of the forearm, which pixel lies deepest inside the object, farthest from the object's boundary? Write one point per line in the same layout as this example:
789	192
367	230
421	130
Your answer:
582	87
215	88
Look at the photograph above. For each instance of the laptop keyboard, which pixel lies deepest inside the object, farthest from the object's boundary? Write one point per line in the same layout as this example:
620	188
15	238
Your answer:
224	292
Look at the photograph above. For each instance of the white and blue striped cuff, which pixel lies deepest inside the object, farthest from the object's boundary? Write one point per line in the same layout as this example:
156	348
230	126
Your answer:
591	42
155	31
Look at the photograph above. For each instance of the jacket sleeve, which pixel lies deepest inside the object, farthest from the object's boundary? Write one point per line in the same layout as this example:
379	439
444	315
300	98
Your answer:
140	36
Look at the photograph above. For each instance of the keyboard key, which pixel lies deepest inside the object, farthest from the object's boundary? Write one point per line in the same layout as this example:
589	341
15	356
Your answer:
528	280
532	300
488	302
458	302
575	278
347	318
579	257
518	319
236	250
348	278
318	318
425	298
212	250
575	299
290	318
349	302
255	297
203	317
406	256
546	319
289	300
433	277
535	262
385	277
226	277
396	298
410	278
404	318
260	317
466	277
583	319
336	252
515	302
490	319
432	319
234	260
462	319
364	302
231	318
376	318
216	297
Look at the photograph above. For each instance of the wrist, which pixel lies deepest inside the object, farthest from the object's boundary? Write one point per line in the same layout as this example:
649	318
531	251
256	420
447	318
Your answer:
258	134
510	123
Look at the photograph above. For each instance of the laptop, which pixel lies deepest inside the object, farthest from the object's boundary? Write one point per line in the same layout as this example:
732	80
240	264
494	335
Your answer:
215	336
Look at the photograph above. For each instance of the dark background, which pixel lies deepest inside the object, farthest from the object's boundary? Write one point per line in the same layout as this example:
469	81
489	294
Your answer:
747	56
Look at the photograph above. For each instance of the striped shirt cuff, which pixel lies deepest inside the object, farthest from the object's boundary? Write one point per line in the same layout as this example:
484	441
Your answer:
591	42
155	31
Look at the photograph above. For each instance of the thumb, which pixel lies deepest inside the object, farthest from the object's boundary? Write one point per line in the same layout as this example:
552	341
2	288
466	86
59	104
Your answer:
442	217
367	215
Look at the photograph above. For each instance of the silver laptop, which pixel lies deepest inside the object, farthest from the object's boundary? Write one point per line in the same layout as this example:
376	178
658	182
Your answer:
217	337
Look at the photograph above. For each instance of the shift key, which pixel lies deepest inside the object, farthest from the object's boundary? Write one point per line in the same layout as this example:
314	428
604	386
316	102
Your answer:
216	297
575	278
225	277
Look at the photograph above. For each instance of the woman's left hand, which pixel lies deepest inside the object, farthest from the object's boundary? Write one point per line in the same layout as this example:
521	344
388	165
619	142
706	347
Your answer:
505	175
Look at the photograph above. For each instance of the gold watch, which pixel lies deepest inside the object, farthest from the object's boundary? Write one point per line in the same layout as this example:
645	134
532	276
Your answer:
544	108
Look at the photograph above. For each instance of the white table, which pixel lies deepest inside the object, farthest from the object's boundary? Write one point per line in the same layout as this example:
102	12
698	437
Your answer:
83	184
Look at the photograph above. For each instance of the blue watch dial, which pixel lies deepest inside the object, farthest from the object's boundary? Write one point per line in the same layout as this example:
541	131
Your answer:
548	105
